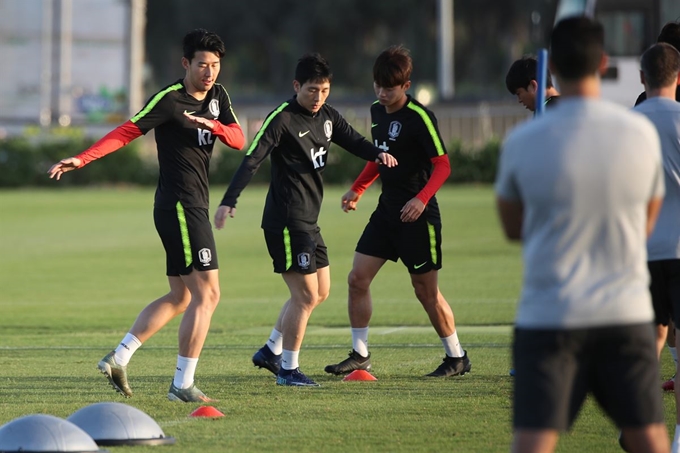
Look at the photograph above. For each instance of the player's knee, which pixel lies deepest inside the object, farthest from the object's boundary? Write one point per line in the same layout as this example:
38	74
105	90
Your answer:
212	296
357	282
427	296
322	296
180	299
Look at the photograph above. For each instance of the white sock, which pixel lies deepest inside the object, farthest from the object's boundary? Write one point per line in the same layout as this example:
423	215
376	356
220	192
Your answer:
289	359
360	340
452	345
126	348
675	446
674	354
184	374
275	342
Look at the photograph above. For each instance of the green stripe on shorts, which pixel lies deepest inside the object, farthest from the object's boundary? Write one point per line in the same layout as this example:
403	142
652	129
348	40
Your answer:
184	230
433	242
289	252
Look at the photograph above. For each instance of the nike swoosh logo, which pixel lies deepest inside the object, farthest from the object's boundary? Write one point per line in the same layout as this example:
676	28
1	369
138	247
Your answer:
373	125
302	134
189	113
418	266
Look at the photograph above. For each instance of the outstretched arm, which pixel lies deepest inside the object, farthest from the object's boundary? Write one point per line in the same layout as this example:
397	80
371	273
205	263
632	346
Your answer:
367	176
113	141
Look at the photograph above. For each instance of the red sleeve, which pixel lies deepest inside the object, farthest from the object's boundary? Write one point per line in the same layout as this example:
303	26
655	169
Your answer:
441	171
231	134
366	177
113	141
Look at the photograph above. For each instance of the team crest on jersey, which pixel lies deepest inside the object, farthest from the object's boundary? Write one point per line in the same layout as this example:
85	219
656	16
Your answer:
328	129
394	130
303	260
214	108
205	256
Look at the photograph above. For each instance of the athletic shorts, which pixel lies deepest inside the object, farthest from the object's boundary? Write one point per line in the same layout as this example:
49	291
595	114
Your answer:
188	239
300	251
417	244
665	289
556	369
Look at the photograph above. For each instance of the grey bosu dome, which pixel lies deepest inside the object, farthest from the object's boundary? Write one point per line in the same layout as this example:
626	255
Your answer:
44	433
119	424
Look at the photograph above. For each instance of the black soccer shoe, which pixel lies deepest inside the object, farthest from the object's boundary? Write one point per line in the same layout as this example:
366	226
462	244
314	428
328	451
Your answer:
265	358
355	361
453	366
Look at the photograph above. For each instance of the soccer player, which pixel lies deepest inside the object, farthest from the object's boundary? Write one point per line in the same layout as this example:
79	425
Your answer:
660	75
297	136
406	224
670	34
187	116
581	188
521	82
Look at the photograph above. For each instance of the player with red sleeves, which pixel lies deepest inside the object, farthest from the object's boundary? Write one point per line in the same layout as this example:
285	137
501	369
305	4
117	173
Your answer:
406	224
187	116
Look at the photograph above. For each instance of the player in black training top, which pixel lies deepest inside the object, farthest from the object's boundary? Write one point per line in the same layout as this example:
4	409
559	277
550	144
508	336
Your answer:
521	82
297	136
406	223
187	117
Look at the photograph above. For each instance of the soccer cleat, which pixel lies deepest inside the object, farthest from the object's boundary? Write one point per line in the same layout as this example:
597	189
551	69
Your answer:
453	366
116	374
265	358
188	395
294	378
355	361
669	385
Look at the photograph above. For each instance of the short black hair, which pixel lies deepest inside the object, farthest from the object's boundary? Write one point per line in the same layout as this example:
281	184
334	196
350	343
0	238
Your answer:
670	33
312	67
577	47
522	72
199	40
660	64
393	67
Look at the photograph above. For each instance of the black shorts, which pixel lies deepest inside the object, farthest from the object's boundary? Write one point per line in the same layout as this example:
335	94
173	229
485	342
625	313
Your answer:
555	369
418	244
300	251
665	289
188	239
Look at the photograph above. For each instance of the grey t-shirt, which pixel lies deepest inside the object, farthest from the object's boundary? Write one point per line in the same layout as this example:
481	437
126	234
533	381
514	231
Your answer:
585	172
664	243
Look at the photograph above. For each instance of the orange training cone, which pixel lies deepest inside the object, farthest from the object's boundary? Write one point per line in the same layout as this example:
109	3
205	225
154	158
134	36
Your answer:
206	411
360	375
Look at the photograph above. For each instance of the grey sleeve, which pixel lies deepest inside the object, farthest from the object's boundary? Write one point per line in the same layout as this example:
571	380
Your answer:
506	184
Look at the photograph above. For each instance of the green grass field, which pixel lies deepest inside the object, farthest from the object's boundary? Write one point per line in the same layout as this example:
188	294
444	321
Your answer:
76	267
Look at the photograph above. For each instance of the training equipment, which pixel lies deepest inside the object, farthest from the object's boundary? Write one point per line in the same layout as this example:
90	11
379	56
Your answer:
119	424
265	358
355	361
452	366
360	375
44	433
294	378
189	395
116	374
206	411
669	385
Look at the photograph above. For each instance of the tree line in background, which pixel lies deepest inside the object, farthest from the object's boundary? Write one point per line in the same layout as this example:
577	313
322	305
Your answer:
25	163
265	38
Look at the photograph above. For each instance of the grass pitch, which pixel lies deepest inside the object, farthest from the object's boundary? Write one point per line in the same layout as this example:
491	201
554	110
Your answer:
77	266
